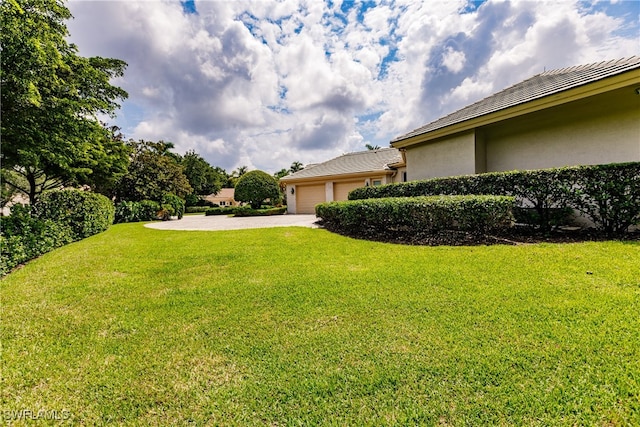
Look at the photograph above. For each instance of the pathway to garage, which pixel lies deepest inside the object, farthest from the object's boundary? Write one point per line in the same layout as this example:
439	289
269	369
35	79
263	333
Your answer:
223	222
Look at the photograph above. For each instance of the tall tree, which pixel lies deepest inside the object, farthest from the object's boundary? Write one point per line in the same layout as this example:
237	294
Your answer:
51	97
372	147
152	173
204	179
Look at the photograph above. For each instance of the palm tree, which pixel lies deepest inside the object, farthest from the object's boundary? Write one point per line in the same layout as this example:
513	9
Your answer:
372	147
296	166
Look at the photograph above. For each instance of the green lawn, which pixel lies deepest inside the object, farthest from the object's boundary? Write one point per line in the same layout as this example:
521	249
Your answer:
295	326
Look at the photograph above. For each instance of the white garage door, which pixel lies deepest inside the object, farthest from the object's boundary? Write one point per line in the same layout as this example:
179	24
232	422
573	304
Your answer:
341	189
307	197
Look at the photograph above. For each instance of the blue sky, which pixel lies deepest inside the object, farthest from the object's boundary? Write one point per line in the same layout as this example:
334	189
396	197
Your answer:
265	83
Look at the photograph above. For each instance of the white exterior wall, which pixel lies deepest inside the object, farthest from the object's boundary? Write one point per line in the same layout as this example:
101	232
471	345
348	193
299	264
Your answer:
449	157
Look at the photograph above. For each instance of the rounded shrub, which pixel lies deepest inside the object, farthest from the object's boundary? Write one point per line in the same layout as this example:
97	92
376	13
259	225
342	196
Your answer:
256	187
84	212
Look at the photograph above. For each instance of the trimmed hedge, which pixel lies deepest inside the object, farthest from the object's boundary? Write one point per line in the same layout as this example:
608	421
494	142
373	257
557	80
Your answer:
608	194
406	215
220	211
25	237
248	211
196	209
58	218
146	210
86	213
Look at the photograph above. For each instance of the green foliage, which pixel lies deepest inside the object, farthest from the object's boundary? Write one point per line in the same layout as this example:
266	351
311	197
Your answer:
51	98
25	237
203	178
153	172
249	211
196	209
608	194
255	187
146	210
220	211
195	200
58	218
175	203
84	212
410	215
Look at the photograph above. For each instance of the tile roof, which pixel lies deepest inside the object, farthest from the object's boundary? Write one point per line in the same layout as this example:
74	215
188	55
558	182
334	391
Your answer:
538	86
350	163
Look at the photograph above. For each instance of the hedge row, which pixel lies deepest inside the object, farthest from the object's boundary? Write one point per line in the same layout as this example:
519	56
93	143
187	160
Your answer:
424	214
245	211
150	210
86	213
58	218
608	194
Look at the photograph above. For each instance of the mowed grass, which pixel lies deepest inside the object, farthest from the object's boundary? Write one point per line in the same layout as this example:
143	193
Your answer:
295	326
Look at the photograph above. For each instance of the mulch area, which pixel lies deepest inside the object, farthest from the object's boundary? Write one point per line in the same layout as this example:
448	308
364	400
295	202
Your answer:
515	236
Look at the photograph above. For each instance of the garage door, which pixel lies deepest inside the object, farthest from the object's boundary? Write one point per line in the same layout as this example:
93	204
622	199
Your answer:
341	189
307	197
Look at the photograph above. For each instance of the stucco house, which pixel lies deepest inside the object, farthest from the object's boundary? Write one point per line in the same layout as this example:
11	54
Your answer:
335	178
224	197
588	114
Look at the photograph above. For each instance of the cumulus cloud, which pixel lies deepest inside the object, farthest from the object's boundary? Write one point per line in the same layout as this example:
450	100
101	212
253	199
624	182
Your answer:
264	84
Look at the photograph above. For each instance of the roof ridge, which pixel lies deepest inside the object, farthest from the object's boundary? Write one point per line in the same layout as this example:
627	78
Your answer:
534	87
592	66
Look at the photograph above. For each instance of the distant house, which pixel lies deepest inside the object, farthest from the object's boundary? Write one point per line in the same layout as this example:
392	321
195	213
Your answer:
588	114
223	198
335	178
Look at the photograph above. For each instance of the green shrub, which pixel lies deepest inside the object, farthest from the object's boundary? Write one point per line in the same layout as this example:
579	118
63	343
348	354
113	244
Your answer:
220	211
410	215
146	210
86	213
255	187
607	194
25	237
196	209
173	204
248	211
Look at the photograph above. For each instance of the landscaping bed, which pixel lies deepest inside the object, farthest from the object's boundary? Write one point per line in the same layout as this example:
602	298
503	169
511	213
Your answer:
517	235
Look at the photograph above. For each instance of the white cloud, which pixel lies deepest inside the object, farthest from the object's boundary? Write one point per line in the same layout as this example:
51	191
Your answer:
264	84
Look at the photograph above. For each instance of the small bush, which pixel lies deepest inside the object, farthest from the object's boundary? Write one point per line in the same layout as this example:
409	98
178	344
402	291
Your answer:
255	187
173	204
410	215
146	210
86	213
25	237
608	194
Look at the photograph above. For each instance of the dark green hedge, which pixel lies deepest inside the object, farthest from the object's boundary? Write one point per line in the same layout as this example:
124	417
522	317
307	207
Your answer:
146	210
58	218
86	213
25	237
248	211
608	194
417	214
220	211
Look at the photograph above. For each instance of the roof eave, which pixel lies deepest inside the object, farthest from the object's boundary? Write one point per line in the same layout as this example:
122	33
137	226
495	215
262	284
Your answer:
590	89
342	176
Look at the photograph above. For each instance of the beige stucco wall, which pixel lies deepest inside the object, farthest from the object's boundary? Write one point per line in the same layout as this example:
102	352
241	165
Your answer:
598	130
452	156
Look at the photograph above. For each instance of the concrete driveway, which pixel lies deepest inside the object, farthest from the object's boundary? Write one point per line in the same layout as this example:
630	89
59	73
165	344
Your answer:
223	222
